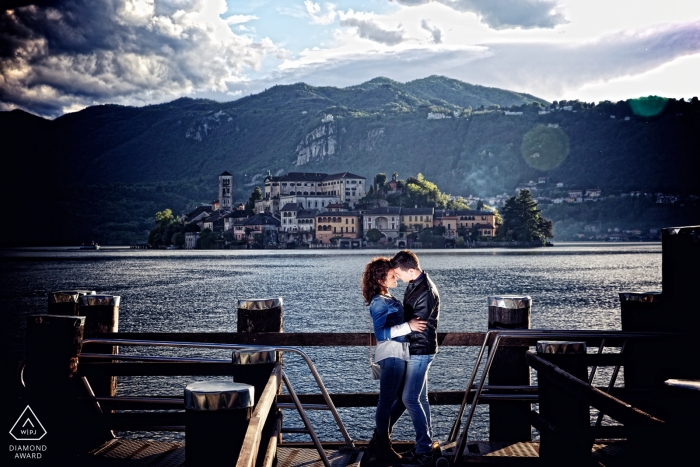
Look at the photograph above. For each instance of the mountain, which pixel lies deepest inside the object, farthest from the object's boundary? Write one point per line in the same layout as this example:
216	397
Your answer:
108	168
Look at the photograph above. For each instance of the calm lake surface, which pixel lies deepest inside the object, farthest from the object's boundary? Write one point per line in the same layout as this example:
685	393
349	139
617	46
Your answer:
573	286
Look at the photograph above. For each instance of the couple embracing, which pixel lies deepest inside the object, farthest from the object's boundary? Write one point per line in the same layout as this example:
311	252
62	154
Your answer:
406	336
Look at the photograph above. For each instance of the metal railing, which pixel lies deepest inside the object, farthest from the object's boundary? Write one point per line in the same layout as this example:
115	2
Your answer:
494	337
196	345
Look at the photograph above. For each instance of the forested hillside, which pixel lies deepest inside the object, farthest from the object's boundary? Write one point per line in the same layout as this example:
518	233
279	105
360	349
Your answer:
102	172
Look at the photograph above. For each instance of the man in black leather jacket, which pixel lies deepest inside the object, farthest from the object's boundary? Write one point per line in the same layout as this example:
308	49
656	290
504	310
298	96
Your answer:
421	300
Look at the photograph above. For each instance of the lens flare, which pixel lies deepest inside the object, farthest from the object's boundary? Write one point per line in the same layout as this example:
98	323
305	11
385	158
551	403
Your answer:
648	106
545	148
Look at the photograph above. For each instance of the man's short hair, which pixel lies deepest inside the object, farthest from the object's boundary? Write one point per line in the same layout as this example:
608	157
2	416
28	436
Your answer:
405	260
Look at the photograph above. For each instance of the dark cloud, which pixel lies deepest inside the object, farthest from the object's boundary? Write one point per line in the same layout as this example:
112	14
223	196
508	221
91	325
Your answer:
66	55
368	29
506	14
434	31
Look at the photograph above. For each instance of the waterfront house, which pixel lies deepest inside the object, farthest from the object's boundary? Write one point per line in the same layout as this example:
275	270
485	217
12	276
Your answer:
416	219
483	223
231	217
198	214
261	229
191	239
343	187
344	224
385	219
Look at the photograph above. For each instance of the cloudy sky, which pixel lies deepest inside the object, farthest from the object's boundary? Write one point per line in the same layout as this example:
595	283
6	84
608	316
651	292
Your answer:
62	56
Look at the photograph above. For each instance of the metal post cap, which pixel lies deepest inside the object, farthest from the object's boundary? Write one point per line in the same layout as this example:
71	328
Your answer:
688	384
259	303
218	395
510	301
561	347
68	296
646	297
97	300
254	356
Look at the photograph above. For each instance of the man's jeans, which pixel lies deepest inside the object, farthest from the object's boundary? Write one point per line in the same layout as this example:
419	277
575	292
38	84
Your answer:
390	385
415	399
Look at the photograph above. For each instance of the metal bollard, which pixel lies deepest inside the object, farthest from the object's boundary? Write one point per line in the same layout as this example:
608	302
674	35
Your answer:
101	316
260	315
648	362
510	420
65	302
217	414
569	415
253	366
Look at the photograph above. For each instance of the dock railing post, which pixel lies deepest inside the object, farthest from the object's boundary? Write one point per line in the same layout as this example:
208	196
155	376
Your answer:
101	314
647	362
261	315
680	266
569	415
509	420
216	419
53	387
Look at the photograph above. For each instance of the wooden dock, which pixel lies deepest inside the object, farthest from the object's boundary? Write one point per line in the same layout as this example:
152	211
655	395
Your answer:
72	370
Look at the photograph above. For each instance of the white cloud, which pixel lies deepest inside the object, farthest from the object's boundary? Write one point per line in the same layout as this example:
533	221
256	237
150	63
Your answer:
238	19
550	70
120	51
314	12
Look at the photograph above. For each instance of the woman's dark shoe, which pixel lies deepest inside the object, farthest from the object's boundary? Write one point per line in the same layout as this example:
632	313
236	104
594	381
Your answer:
385	453
372	445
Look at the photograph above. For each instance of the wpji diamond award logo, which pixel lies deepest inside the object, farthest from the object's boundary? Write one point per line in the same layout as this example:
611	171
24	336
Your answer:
28	428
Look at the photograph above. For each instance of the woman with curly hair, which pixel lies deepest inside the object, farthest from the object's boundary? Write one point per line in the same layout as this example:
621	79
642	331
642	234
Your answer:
392	350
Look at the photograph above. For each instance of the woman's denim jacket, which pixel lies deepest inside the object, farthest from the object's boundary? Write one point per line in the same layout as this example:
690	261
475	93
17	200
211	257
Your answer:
386	312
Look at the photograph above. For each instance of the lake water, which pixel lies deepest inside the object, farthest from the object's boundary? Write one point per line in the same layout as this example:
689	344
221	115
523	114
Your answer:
573	286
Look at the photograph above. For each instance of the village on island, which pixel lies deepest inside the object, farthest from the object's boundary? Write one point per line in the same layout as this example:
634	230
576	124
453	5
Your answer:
318	210
343	210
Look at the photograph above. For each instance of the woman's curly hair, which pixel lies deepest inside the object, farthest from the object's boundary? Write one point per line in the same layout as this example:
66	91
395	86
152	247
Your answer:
375	271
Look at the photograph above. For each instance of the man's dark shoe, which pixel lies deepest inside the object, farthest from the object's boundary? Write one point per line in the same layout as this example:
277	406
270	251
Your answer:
417	459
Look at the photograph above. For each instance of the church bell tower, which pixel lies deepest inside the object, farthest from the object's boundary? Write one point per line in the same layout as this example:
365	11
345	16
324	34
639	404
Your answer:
225	192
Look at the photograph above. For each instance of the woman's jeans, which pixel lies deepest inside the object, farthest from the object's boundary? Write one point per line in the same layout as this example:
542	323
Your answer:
414	398
390	385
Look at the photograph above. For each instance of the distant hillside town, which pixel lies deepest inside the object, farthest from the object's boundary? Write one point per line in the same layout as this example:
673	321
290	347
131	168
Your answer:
319	210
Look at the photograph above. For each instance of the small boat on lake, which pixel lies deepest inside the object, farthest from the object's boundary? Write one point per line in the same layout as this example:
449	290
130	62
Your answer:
90	246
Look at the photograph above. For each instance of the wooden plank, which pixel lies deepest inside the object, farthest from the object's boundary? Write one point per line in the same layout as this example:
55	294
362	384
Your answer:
251	443
271	451
322	339
139	420
154	369
616	408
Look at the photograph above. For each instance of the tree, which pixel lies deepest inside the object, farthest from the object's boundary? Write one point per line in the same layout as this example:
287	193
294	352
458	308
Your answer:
522	220
256	195
165	217
459	203
207	239
479	205
178	239
379	180
164	229
373	235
